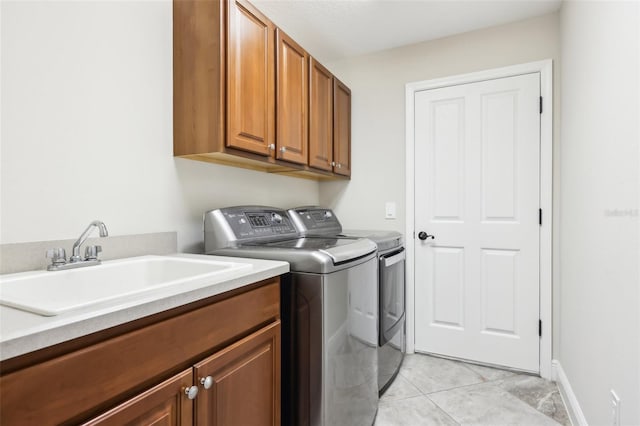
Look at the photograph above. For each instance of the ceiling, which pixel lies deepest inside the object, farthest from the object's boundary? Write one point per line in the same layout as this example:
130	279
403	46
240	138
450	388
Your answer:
335	29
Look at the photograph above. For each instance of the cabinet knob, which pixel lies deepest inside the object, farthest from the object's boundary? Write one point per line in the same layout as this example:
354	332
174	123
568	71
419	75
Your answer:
207	382
283	149
339	165
272	146
191	392
333	163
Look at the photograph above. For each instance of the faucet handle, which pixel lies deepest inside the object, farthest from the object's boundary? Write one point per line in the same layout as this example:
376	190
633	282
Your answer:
91	252
57	255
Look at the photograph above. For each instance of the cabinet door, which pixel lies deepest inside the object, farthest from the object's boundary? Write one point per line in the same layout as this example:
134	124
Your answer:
320	116
163	405
245	382
291	100
341	128
250	79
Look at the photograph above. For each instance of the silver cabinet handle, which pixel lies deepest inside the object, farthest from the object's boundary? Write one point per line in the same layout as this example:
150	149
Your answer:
283	149
272	146
191	392
333	163
207	382
339	165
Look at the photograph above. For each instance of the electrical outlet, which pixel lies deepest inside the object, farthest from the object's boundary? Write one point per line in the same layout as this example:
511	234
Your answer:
615	408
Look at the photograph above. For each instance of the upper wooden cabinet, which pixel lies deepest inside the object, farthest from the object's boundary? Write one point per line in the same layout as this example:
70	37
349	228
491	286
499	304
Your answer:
246	94
223	77
250	79
291	100
341	128
320	116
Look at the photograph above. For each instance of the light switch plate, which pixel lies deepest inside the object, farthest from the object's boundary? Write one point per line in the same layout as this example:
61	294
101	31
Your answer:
390	210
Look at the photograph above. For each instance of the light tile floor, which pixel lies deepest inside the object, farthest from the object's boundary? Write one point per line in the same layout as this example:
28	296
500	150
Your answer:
436	391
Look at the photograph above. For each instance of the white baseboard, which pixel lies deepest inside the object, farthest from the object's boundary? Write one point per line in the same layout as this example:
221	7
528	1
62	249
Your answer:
570	401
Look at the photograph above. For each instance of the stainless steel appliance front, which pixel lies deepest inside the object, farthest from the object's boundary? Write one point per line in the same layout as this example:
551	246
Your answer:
334	346
319	221
329	313
392	315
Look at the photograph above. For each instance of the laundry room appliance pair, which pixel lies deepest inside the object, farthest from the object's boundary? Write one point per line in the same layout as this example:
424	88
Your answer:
335	329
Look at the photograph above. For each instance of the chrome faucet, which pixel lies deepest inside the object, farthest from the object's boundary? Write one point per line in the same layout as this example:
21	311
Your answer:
75	251
58	256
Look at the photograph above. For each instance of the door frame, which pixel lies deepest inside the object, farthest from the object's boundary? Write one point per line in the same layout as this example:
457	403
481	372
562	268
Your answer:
545	68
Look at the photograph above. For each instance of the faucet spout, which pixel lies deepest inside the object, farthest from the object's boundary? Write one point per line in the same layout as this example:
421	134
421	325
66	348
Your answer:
75	251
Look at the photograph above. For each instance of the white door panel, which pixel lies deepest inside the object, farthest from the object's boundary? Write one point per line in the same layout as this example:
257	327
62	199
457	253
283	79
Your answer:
477	150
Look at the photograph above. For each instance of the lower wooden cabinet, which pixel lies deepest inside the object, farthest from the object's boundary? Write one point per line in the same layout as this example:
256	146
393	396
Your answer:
165	404
227	348
244	380
239	385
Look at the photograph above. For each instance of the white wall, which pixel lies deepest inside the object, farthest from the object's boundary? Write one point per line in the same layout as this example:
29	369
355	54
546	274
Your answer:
87	128
599	229
377	82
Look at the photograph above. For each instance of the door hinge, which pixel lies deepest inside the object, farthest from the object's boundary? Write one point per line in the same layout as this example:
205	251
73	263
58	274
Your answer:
539	216
540	104
539	328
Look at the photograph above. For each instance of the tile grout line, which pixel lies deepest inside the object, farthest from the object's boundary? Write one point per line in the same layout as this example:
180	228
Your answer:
444	411
450	388
496	383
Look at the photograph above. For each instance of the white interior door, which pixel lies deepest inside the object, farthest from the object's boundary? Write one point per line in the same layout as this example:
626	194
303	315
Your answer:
477	186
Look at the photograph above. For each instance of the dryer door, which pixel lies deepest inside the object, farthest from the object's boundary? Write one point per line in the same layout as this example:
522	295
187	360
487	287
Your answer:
392	294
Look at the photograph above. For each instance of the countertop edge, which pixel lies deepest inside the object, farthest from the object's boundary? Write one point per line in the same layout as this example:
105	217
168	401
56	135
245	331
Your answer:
91	322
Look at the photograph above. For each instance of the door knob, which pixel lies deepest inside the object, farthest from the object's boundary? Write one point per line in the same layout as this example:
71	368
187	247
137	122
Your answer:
423	236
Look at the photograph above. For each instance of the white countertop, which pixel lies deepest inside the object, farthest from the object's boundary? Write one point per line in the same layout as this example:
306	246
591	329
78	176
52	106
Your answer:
23	332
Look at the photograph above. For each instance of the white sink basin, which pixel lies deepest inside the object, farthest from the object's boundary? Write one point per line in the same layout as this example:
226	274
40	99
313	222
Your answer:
52	293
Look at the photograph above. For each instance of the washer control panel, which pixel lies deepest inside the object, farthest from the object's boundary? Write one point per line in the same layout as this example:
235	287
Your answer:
231	226
315	221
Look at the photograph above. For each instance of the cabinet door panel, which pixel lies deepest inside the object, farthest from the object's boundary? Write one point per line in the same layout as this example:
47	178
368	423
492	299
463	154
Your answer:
320	116
341	128
250	68
246	382
114	367
163	405
291	100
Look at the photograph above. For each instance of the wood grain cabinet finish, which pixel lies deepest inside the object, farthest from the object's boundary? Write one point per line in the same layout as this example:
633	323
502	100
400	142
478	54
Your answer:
223	81
291	100
163	405
245	389
250	71
320	116
143	371
247	95
341	128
